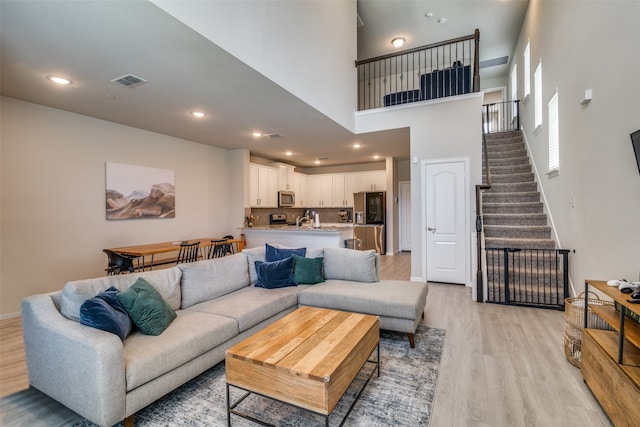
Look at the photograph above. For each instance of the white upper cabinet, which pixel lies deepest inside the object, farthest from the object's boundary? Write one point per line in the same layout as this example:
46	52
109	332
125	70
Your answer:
320	191
285	176
339	191
358	182
300	189
263	186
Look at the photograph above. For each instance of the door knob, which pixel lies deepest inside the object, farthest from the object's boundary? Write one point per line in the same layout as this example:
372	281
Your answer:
433	230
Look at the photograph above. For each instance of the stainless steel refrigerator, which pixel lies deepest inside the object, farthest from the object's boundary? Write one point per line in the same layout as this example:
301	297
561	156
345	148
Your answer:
369	226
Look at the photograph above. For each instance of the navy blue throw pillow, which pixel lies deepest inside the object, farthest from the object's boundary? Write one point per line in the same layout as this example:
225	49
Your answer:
275	274
275	254
105	312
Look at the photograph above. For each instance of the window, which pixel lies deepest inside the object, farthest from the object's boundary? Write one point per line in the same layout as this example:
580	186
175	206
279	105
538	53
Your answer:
537	94
554	134
527	72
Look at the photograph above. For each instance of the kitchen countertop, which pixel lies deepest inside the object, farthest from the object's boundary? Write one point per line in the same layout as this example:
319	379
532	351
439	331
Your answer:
292	228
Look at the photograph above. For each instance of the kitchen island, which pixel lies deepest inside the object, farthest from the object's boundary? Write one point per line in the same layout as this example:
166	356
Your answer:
327	236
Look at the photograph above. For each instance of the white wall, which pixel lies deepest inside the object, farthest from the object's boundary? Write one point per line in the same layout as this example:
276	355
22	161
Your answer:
442	129
307	47
589	45
53	195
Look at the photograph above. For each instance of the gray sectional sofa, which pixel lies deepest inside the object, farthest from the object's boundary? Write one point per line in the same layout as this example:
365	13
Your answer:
107	380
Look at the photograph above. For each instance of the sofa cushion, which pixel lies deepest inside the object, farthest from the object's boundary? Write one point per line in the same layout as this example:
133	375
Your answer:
275	274
166	281
106	313
390	298
204	280
347	264
190	335
148	311
250	306
307	271
273	253
252	255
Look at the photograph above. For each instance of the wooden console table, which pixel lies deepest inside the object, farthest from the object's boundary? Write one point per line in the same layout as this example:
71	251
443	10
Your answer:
610	362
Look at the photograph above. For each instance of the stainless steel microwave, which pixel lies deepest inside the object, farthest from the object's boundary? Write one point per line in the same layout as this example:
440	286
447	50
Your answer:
286	199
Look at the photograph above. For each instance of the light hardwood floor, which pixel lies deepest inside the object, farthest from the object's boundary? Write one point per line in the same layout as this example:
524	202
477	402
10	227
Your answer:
501	366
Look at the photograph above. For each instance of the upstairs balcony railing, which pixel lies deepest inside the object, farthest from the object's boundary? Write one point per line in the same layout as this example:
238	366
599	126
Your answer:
433	71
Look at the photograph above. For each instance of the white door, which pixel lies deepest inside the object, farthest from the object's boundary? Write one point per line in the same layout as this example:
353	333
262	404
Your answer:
405	215
445	218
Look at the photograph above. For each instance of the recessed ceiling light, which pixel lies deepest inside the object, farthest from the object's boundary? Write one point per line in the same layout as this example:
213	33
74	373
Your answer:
429	15
198	114
59	80
442	21
317	162
376	157
257	134
356	145
288	153
398	42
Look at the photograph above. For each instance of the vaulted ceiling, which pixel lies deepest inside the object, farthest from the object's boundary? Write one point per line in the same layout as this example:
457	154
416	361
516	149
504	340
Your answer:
98	41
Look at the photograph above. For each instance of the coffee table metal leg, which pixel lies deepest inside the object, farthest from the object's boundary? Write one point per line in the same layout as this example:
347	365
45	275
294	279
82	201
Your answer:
231	407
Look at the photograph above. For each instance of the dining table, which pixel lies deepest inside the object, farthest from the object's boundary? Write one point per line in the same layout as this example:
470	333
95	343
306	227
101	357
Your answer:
141	252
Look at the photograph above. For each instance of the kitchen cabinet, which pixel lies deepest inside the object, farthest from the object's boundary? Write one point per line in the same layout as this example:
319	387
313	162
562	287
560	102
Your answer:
300	189
340	195
285	176
263	186
369	181
320	191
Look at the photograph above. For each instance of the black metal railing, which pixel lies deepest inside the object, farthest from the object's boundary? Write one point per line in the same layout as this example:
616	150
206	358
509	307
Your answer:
528	277
433	71
501	116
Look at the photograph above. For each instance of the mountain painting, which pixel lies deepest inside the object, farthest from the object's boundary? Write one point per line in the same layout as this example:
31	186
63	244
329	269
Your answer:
139	192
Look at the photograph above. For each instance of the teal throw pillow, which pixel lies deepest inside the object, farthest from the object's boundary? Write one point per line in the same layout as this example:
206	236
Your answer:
146	307
275	254
307	271
105	312
276	274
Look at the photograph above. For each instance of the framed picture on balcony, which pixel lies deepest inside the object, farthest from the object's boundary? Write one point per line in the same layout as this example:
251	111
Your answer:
139	192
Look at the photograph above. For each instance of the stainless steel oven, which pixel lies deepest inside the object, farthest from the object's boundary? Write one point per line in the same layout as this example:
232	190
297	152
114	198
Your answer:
286	199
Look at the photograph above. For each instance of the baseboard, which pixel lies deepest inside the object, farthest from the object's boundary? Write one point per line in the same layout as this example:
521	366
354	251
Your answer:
9	316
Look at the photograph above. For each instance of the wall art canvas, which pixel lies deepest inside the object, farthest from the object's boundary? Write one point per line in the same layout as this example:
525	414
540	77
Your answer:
138	192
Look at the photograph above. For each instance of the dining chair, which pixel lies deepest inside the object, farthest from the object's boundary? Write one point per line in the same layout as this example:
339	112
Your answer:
118	263
218	248
231	247
188	252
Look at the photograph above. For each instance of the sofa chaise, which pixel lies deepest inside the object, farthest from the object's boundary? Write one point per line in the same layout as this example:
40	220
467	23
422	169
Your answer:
217	304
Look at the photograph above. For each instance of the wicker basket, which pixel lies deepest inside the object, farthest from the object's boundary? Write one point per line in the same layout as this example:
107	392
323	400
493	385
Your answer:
574	323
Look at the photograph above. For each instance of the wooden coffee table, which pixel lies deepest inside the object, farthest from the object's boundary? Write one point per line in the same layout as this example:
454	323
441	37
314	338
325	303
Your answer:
307	359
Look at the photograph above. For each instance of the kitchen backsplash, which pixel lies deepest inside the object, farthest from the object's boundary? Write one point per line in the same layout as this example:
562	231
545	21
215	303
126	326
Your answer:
261	215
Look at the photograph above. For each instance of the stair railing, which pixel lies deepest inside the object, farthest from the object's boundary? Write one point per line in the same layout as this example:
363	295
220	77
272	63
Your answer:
501	116
479	189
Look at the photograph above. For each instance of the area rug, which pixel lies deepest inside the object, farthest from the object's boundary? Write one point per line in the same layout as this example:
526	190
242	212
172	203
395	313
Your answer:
403	395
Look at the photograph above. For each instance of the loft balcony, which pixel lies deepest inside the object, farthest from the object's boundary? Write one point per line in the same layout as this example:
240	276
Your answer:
433	71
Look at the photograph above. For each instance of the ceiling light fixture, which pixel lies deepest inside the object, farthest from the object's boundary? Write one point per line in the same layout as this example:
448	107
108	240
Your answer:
288	153
398	42
376	157
198	114
356	145
59	80
317	162
257	134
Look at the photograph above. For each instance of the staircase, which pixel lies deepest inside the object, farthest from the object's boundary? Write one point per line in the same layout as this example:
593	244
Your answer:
523	266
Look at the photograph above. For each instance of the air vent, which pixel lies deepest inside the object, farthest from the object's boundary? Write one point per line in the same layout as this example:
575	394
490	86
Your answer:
129	80
274	135
493	62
